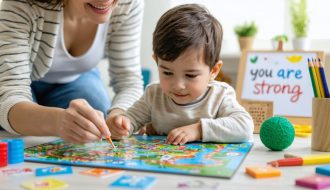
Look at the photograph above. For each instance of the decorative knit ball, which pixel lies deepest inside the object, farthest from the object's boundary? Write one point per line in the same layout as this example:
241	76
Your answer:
277	133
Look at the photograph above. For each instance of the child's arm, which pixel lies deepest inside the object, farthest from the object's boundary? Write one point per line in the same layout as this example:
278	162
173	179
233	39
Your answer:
135	117
182	135
233	122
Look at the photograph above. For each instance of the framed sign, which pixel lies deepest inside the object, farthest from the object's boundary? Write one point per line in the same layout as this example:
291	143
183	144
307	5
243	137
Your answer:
281	77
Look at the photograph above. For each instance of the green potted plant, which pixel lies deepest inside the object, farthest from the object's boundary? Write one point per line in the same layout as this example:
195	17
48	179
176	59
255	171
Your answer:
278	41
246	33
300	24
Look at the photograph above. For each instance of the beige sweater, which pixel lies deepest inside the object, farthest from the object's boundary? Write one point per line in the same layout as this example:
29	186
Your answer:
223	119
28	33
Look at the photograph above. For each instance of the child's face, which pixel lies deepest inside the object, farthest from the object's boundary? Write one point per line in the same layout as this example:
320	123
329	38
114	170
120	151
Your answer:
97	11
186	79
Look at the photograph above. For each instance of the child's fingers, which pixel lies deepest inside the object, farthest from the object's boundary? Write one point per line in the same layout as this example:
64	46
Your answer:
170	138
184	140
126	123
179	138
118	127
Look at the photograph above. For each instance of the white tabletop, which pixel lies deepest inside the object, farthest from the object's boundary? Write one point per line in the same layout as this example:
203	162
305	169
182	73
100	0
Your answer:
258	156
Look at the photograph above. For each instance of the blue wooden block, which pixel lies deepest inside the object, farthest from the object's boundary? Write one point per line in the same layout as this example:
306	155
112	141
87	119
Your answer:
323	170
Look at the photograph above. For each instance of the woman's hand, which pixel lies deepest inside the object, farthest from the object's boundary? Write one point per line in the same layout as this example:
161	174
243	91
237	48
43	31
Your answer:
80	123
182	135
118	124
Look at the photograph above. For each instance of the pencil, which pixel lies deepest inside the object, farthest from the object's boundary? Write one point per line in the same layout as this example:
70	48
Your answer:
300	161
311	73
315	80
324	79
318	76
110	142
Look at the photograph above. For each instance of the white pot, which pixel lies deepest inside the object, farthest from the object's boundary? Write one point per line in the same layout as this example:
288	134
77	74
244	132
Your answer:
300	43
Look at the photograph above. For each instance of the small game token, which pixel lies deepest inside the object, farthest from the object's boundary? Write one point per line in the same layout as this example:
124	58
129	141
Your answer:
263	171
133	182
3	154
57	170
15	150
314	182
323	170
44	184
102	173
16	171
198	184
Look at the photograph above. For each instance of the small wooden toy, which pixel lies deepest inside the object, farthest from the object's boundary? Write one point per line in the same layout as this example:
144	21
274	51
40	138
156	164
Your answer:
263	171
314	182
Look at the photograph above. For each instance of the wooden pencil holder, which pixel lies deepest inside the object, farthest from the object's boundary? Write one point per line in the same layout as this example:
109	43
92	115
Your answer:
321	124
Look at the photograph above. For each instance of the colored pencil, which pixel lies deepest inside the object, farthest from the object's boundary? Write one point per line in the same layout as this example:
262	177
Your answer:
300	161
311	73
324	79
315	79
319	80
110	142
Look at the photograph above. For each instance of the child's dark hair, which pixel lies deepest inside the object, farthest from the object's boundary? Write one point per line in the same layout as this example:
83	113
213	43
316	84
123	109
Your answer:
185	26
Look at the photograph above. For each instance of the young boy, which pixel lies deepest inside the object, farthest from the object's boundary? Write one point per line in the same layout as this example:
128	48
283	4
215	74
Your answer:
187	104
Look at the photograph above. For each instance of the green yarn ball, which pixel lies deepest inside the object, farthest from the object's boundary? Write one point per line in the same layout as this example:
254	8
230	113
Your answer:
277	133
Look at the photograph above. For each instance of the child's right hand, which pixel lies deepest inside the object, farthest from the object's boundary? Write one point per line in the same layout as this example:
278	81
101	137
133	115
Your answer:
119	126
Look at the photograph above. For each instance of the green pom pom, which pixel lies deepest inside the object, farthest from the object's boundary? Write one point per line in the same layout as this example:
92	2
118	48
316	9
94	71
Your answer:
277	133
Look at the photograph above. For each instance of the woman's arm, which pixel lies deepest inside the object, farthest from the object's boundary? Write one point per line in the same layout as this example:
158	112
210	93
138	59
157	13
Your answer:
124	54
15	66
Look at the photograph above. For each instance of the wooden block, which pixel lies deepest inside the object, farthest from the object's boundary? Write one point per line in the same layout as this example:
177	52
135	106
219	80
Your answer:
314	182
263	171
259	111
323	170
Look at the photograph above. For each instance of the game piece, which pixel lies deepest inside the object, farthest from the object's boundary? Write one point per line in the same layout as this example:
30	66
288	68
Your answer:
323	170
55	170
263	171
44	184
15	171
15	150
198	184
102	173
133	182
3	154
314	182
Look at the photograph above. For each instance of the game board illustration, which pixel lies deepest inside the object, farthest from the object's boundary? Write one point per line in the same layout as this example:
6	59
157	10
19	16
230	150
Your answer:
146	153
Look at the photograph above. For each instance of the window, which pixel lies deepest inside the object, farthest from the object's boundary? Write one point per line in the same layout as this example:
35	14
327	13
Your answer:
271	16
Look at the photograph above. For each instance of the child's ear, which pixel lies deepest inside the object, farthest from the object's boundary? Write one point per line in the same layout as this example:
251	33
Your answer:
215	70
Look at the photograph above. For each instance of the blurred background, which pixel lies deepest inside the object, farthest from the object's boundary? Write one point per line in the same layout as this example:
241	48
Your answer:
271	19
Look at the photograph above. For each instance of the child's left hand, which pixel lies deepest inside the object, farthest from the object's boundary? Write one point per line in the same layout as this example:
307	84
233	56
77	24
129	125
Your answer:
182	135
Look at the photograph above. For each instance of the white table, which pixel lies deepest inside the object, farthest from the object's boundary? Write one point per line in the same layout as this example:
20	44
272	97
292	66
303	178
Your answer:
258	156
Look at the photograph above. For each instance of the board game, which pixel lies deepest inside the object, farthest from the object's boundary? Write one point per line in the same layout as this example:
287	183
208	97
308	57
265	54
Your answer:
146	153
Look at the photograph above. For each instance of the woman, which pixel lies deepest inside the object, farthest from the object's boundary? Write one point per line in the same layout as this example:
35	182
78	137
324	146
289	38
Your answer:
49	50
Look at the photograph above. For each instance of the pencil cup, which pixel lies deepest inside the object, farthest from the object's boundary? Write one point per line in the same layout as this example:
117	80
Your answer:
321	124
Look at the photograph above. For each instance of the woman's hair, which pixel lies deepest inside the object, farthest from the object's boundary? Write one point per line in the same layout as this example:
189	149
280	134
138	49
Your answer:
188	26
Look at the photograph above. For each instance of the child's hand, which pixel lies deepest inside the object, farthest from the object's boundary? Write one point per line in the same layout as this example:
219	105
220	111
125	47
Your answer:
182	135
119	126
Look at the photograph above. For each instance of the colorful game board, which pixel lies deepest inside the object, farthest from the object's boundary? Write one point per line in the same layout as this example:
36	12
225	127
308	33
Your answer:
146	153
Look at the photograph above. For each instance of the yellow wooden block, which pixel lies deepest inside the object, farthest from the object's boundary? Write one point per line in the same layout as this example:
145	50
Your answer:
263	171
301	134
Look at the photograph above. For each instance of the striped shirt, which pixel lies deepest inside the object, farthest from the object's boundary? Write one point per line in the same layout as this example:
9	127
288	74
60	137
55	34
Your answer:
28	33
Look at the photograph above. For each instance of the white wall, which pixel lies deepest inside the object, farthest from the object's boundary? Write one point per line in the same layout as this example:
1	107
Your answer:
152	12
